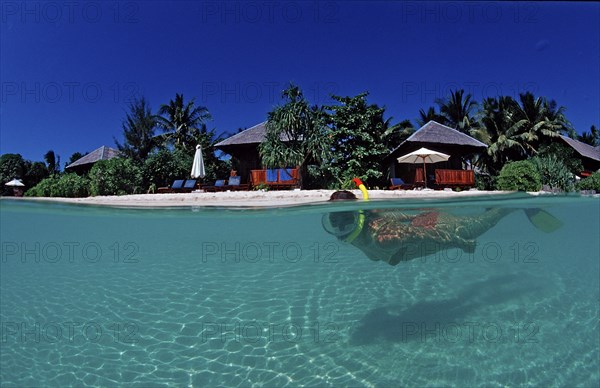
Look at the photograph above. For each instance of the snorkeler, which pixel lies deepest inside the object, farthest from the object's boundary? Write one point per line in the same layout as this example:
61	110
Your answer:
394	236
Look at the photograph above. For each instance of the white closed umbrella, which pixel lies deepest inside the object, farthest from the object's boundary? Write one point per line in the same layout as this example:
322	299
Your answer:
198	165
15	183
424	155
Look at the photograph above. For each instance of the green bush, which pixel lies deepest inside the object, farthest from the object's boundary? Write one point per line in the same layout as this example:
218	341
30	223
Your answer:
163	167
46	188
485	182
67	185
553	172
592	182
521	176
564	154
116	176
73	185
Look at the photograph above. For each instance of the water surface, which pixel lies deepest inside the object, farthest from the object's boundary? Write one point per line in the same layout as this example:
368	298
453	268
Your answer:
215	297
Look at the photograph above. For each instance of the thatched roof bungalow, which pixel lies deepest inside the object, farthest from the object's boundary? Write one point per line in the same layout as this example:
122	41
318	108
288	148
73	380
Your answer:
436	137
85	163
243	148
589	155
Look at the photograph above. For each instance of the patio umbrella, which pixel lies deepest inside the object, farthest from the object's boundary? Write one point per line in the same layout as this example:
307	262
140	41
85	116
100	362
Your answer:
198	165
423	155
15	183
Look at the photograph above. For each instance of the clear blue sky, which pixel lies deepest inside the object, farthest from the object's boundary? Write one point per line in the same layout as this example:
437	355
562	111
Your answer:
68	69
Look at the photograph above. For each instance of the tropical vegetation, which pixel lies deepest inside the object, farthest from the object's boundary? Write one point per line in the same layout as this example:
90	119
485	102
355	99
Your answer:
181	122
591	182
519	176
65	185
297	134
330	144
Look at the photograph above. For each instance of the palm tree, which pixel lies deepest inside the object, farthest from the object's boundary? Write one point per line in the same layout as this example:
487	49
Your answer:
181	122
52	162
75	156
430	115
138	130
397	133
592	137
557	115
457	110
515	130
497	130
536	121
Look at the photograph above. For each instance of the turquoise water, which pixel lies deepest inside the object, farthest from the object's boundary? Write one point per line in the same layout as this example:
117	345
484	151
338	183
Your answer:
192	297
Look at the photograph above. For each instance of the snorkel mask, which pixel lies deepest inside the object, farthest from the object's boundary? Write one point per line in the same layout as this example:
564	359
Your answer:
346	225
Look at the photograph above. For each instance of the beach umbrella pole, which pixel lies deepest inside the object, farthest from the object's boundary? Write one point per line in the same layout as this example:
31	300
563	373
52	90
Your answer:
424	173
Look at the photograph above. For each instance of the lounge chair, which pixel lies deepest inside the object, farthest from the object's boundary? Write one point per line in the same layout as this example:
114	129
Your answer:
189	186
258	177
272	176
275	178
234	184
218	186
398	183
288	178
176	186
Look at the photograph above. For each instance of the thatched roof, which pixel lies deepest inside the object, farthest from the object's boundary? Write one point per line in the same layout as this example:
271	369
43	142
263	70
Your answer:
102	153
583	149
440	138
434	132
253	135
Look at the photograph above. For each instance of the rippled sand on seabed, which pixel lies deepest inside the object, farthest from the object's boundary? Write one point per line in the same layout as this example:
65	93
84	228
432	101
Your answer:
104	297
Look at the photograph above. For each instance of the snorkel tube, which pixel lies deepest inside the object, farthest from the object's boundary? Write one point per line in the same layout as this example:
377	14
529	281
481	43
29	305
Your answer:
357	222
362	188
361	214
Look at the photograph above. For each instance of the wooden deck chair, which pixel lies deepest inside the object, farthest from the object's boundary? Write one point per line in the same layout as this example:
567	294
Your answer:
177	185
399	184
218	186
235	184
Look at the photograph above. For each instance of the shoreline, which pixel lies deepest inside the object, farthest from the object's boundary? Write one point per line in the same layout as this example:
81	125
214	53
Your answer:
255	198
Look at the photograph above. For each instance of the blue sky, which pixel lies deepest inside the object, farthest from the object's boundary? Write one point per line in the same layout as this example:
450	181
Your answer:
69	69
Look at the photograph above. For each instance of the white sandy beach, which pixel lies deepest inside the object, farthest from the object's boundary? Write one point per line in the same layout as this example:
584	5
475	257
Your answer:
256	198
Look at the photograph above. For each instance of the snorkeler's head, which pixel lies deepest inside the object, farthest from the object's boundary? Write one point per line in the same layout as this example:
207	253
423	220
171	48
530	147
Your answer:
340	224
345	225
343	195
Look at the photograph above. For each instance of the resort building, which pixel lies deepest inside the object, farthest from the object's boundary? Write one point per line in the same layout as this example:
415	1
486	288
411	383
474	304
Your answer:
86	162
243	148
436	137
589	155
